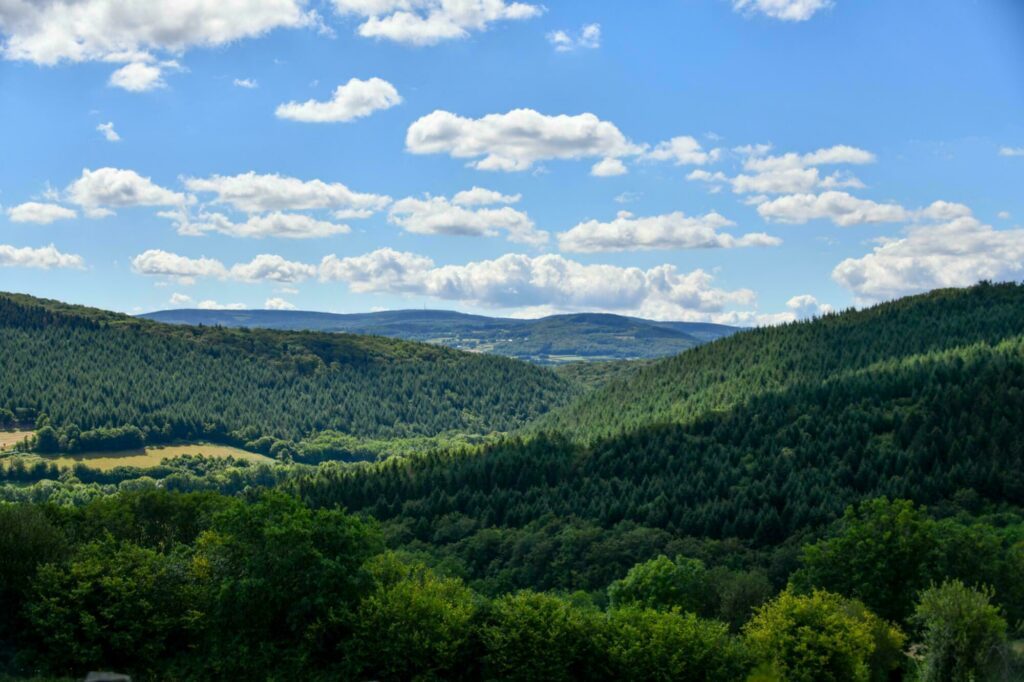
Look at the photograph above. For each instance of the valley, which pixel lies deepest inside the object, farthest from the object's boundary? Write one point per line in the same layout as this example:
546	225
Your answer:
742	471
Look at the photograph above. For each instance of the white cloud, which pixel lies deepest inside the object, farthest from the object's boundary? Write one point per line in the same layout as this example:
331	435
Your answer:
588	38
789	173
273	268
383	270
180	299
606	168
278	303
839	207
104	188
805	306
520	281
108	131
54	31
35	212
254	193
514	141
683	150
428	22
478	196
438	215
627	197
355	99
275	224
247	83
1004	215
669	231
138	77
44	257
786	10
165	264
956	253
1011	151
262	268
210	304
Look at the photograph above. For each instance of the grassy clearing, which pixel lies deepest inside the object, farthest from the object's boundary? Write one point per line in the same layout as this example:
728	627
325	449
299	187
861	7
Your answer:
9	438
151	456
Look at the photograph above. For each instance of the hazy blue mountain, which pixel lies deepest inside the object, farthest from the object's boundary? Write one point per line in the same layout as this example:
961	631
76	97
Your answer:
548	340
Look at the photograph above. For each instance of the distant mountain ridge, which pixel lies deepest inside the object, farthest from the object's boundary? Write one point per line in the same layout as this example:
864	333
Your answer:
554	339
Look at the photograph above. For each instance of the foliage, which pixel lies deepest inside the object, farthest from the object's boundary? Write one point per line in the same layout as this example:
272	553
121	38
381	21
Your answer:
91	371
645	644
964	634
821	637
114	604
532	636
666	584
413	624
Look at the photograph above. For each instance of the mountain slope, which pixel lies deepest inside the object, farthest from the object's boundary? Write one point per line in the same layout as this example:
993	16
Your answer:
91	369
721	375
764	438
549	340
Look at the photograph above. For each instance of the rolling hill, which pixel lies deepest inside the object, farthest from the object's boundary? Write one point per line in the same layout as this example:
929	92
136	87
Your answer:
555	339
90	369
764	436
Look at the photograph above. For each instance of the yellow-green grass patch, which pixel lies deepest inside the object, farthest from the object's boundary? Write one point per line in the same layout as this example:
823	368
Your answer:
9	438
152	455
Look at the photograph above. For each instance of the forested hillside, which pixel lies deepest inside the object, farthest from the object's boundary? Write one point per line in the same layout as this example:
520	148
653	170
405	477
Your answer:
764	466
556	339
839	499
722	375
88	369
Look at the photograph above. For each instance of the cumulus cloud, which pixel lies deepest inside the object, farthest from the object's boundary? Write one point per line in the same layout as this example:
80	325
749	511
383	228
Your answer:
180	299
514	141
108	131
355	99
98	191
438	215
789	173
114	31
182	268
140	76
839	207
683	150
478	196
210	304
42	214
254	193
669	231
44	257
520	281
274	224
1011	151
273	268
786	10
277	303
588	38
247	83
428	22
262	268
805	306
793	173
606	168
954	253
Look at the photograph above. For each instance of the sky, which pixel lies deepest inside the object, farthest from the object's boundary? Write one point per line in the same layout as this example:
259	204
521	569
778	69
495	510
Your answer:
738	161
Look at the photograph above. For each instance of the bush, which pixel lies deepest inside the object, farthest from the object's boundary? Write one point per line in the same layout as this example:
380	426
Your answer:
964	634
821	637
644	644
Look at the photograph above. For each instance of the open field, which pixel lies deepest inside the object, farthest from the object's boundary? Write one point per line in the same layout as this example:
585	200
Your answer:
151	456
9	438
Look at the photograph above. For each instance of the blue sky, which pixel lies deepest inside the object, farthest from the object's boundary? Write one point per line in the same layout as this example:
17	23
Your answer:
742	161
